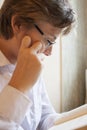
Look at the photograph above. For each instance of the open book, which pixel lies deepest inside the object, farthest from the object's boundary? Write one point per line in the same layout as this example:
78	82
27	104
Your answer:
75	118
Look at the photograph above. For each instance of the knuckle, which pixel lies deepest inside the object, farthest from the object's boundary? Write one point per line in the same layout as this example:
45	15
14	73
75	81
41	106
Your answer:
40	65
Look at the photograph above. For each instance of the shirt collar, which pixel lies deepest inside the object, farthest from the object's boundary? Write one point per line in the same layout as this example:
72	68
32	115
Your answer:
3	59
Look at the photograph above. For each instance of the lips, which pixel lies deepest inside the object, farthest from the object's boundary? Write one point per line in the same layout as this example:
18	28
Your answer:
47	52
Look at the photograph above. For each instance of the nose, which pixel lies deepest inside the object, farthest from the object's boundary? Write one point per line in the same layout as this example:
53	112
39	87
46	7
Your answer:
48	51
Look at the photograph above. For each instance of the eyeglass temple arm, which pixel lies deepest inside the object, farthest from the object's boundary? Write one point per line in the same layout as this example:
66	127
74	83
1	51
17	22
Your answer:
39	29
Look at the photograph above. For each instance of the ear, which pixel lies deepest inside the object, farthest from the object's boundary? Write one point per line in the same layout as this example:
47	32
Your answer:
15	27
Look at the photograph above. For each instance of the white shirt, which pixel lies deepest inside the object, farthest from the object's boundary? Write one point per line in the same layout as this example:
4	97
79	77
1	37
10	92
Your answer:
21	112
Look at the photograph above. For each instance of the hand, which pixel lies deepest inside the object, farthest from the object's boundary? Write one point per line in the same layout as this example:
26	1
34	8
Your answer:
28	67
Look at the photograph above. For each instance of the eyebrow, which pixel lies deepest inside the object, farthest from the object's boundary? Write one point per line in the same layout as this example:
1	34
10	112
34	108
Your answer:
55	37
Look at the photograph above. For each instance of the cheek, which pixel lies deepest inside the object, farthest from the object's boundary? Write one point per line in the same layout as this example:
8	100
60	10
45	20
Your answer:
34	35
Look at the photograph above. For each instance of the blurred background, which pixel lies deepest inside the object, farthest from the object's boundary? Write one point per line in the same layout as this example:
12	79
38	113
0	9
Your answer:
66	82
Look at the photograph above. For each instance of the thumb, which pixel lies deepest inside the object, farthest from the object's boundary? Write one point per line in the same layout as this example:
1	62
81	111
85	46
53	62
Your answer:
26	42
36	47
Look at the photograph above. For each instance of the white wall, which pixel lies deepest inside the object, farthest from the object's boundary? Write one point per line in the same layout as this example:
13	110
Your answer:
1	1
52	76
74	50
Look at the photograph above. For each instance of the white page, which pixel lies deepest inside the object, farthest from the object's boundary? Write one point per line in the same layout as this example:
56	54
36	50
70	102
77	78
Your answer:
75	117
75	113
72	124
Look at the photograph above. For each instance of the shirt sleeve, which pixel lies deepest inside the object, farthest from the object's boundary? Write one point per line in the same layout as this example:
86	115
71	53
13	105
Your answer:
13	106
49	116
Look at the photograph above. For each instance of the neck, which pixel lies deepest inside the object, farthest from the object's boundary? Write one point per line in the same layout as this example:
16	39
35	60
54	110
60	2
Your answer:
10	49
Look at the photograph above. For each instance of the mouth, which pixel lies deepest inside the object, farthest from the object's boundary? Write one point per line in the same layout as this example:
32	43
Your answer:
47	53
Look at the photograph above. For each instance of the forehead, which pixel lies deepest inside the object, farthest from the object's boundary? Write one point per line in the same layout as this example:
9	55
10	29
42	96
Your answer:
49	29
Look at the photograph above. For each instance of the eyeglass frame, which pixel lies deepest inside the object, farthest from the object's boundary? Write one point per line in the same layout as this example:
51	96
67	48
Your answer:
43	34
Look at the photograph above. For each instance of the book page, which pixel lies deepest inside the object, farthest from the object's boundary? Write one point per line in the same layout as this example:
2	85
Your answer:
74	124
70	115
72	120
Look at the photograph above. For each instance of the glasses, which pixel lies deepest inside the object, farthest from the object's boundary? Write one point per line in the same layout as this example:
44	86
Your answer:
48	42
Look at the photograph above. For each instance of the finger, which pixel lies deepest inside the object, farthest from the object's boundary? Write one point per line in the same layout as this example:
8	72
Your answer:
26	42
36	47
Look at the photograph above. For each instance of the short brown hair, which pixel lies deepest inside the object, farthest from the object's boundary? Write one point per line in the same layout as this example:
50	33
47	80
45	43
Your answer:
57	12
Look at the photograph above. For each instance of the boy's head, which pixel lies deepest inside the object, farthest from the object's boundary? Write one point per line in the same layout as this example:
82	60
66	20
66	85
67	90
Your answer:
58	13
